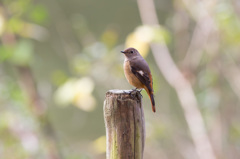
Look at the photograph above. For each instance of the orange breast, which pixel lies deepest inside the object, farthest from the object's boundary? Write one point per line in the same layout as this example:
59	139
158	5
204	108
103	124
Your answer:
131	78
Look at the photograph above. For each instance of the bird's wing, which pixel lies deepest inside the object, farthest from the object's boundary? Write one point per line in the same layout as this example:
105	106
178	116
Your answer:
143	74
141	70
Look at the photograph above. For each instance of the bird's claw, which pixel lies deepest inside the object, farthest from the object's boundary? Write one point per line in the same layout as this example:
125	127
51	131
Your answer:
134	93
131	93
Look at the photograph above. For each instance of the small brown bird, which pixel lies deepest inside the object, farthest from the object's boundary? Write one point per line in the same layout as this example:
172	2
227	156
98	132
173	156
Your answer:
137	72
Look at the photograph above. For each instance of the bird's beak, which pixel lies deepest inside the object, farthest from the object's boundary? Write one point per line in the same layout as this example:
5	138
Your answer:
123	52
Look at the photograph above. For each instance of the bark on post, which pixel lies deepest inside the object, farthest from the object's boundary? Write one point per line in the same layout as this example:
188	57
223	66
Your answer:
125	126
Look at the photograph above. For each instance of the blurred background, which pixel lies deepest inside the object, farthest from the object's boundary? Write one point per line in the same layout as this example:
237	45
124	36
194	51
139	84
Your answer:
58	58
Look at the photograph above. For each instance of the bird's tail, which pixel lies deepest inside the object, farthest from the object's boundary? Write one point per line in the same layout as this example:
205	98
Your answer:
151	96
153	102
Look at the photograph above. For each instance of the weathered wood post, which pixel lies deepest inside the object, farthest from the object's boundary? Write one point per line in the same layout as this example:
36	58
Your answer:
125	125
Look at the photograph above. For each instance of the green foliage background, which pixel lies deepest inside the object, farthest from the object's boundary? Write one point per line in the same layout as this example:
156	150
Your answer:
58	58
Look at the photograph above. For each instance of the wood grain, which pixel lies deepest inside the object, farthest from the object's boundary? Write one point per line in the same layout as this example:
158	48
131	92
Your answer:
125	126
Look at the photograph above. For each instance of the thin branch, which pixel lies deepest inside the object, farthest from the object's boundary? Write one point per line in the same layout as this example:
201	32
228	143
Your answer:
198	43
180	84
39	110
205	25
232	75
38	106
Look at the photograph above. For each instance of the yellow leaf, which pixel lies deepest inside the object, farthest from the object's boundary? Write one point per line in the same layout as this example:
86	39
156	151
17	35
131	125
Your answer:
100	144
77	92
141	46
2	22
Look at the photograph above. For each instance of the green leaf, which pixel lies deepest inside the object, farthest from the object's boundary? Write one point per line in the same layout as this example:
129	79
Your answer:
161	34
38	14
23	53
15	25
5	52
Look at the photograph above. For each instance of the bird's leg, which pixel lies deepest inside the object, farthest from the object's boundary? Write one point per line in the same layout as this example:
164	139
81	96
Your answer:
134	93
139	90
140	93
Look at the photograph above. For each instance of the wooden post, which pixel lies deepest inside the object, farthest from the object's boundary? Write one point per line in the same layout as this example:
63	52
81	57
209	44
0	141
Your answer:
125	125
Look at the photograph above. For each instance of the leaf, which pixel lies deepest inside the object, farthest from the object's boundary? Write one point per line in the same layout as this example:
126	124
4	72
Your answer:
2	23
144	35
23	53
15	25
135	42
6	52
77	92
100	144
38	14
109	37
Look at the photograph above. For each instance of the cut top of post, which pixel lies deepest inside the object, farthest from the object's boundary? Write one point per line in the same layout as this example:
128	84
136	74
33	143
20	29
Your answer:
125	93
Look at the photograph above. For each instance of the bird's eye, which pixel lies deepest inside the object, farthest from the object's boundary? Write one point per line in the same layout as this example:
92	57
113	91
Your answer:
131	51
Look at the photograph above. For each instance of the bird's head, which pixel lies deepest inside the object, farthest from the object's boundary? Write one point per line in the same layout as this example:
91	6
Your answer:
130	53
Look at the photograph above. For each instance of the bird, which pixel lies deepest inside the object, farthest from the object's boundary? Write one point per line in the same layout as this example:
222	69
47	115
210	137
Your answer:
137	73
